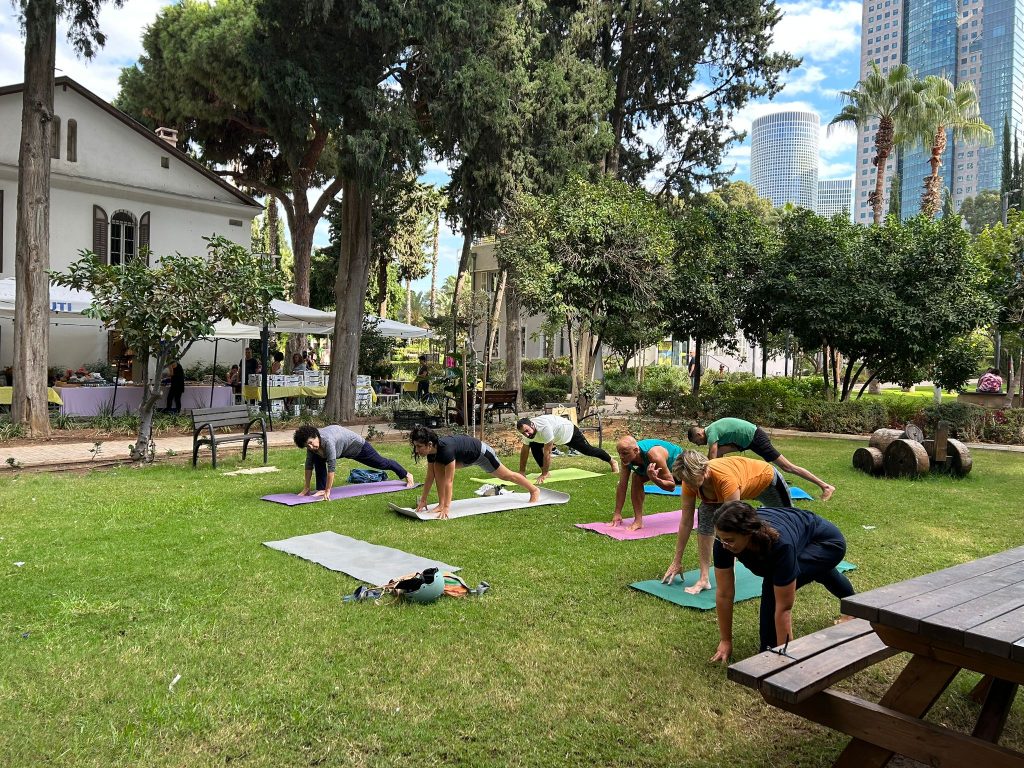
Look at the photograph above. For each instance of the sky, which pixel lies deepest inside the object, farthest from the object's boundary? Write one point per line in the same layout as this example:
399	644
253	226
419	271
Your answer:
824	33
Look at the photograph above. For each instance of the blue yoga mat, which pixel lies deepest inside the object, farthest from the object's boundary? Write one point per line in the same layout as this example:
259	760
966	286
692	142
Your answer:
747	586
654	490
797	494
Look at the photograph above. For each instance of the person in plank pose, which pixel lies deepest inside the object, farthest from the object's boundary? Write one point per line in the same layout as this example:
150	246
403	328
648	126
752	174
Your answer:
645	460
543	433
715	482
787	548
729	435
446	454
326	445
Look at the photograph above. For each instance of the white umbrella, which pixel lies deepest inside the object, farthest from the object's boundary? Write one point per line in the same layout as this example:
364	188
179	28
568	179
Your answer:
63	301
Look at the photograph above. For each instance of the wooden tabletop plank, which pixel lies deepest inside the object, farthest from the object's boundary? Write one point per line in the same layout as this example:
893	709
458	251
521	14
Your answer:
866	604
1017	651
951	625
998	635
907	614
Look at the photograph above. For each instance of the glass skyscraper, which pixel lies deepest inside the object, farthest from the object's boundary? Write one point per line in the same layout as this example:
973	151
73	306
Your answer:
834	196
976	41
784	158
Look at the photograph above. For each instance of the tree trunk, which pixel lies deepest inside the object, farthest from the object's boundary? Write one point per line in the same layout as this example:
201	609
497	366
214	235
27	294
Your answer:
151	392
617	117
513	343
697	342
408	301
32	231
433	266
492	326
302	247
931	198
273	240
382	289
349	292
460	279
883	147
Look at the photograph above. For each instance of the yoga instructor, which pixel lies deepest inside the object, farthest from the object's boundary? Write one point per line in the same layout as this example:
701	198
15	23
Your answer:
326	445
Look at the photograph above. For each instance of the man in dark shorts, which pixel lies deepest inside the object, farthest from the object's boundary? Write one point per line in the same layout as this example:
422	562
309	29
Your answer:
326	445
729	435
446	454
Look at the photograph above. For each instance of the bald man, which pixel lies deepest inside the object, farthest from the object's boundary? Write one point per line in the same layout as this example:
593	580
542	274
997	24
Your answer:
646	461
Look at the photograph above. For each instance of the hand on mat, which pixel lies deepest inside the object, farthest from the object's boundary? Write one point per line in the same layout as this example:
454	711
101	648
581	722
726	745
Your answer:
616	520
723	653
421	506
540	480
671	573
324	493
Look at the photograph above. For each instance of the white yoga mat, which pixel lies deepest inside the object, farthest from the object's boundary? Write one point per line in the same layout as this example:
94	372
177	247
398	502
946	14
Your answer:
251	471
485	504
361	560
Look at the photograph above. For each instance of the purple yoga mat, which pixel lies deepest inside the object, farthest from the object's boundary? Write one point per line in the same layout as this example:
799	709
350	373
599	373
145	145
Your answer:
344	492
659	524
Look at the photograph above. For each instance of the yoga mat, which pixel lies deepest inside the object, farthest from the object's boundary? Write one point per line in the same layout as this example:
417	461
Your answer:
359	559
654	490
554	476
484	504
342	492
798	494
251	471
658	524
747	586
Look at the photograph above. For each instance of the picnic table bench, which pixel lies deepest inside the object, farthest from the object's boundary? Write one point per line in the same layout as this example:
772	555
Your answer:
493	402
591	422
967	617
206	422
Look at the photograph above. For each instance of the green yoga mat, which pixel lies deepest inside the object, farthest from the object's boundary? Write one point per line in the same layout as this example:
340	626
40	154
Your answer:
747	586
554	476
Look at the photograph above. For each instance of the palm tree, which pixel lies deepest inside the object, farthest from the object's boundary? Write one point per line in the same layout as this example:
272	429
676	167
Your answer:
943	107
888	98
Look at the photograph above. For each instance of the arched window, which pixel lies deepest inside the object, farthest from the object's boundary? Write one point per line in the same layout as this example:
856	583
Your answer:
55	138
72	154
123	240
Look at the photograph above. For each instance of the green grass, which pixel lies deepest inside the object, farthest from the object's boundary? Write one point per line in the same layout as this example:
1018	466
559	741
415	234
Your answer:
134	576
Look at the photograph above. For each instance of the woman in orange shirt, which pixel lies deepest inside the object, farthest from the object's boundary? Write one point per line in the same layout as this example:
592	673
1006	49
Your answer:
716	481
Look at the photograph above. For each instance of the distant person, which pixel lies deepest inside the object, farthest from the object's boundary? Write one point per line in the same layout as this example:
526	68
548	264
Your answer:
298	364
446	454
252	365
647	460
234	379
177	387
788	548
731	435
543	433
278	365
423	379
691	370
990	381
326	445
715	482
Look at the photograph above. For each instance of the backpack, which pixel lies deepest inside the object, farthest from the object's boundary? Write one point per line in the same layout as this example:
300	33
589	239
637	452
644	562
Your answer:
367	476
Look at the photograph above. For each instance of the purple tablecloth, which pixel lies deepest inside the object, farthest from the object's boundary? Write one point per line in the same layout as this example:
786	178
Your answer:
90	401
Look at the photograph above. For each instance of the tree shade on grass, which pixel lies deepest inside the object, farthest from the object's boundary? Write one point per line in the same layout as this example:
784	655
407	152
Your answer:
132	577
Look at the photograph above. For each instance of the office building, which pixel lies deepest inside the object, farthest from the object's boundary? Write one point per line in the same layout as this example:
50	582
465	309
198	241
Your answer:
834	196
784	158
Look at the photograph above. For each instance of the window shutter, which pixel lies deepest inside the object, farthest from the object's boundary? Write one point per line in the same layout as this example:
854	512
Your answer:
100	233
144	236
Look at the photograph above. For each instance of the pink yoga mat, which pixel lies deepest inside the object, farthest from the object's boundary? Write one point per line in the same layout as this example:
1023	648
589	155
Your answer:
659	524
344	492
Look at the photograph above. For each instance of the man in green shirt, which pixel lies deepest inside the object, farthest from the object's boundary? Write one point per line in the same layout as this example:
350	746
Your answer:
729	435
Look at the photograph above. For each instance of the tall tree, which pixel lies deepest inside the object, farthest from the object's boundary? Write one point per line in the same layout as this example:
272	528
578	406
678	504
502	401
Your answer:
32	229
943	108
981	211
678	73
895	198
890	99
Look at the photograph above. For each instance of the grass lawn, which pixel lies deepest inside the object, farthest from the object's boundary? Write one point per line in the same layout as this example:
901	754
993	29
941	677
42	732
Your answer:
132	577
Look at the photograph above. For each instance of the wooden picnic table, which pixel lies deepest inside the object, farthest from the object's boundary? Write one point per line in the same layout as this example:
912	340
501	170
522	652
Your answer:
967	617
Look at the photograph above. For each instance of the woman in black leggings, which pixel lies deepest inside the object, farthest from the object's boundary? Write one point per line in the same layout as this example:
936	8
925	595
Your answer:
788	548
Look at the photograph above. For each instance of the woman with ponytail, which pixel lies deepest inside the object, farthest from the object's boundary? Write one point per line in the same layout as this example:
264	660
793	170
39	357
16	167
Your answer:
788	548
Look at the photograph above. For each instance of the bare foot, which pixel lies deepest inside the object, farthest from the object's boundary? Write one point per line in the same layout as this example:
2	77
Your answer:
615	467
409	481
827	491
534	496
699	587
637	525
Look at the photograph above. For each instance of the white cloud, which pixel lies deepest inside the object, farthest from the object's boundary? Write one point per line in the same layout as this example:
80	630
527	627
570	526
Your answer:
841	140
839	170
806	80
819	31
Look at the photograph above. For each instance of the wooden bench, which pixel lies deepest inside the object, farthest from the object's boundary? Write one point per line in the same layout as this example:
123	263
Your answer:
590	423
408	418
812	663
494	402
209	420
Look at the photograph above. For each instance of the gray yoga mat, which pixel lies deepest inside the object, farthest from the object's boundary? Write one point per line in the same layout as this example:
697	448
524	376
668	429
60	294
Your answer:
361	560
483	504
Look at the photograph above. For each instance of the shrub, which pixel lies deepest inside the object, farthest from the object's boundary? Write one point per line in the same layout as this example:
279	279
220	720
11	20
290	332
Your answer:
850	416
903	410
1005	426
616	383
662	390
540	366
967	420
544	388
773	402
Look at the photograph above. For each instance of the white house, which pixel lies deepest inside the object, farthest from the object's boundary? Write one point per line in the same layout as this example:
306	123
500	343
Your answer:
115	186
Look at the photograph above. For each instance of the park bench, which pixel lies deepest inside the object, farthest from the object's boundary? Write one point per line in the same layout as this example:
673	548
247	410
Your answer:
591	423
495	402
206	422
407	418
811	663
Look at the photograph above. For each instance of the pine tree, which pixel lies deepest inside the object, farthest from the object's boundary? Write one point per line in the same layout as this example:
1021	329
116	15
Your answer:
947	203
1015	177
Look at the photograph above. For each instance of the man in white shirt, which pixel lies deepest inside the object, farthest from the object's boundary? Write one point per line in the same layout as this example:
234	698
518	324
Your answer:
542	433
